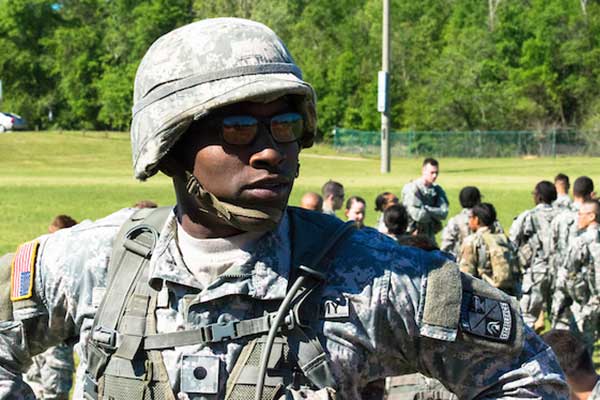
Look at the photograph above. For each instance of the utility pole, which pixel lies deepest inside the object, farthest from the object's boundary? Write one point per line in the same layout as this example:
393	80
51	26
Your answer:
383	101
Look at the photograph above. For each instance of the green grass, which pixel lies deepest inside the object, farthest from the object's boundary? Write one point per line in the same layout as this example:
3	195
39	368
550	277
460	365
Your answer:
89	175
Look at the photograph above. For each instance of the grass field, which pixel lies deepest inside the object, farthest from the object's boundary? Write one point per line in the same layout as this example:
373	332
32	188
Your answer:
89	175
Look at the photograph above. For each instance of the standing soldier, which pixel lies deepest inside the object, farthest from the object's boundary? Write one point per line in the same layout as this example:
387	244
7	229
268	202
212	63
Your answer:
333	197
488	255
530	233
234	295
582	265
564	231
425	201
457	228
562	185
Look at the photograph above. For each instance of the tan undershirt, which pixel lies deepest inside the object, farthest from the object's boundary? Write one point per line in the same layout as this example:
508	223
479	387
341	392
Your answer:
208	258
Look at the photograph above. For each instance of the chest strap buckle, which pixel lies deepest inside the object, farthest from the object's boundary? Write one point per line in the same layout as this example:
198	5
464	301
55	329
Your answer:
105	338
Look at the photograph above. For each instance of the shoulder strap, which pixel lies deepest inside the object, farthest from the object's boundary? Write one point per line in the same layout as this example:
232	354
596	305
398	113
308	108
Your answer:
132	249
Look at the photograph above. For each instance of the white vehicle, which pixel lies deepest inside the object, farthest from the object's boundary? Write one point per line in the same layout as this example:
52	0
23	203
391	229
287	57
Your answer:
11	122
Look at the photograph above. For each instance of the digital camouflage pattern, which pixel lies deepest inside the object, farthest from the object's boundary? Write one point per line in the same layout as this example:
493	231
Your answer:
457	229
564	231
582	265
387	331
562	202
204	66
417	387
530	232
51	374
427	207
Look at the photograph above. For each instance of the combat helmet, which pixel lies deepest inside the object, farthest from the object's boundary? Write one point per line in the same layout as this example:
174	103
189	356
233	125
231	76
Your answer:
204	66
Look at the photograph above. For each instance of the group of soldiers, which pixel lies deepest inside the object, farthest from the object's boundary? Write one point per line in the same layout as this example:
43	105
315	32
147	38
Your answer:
232	294
550	258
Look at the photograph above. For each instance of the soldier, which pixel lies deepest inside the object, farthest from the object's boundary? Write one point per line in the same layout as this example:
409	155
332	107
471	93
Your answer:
382	202
333	197
562	185
60	222
564	230
576	361
488	255
457	228
425	201
582	265
312	201
355	210
232	294
530	233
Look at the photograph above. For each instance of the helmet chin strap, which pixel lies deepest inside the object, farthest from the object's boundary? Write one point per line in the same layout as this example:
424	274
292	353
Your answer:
255	219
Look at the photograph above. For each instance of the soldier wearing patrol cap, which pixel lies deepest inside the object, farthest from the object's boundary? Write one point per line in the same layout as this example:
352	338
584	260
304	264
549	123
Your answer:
234	295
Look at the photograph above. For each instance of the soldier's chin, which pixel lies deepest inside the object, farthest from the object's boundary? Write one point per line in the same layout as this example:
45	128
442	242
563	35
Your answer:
249	224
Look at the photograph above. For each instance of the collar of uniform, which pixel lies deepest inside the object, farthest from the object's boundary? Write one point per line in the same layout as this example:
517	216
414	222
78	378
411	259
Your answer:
544	206
483	229
264	275
592	230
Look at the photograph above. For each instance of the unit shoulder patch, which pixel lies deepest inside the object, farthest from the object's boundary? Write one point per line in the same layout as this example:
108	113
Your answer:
486	317
22	270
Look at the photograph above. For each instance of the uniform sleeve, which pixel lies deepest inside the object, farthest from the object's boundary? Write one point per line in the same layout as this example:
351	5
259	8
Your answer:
468	258
440	210
68	268
476	344
414	206
450	236
516	233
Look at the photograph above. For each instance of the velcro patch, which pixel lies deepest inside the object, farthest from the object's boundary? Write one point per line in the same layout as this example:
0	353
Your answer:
22	269
486	317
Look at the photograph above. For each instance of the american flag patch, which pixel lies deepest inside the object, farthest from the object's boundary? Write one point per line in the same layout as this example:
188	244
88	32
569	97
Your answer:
23	266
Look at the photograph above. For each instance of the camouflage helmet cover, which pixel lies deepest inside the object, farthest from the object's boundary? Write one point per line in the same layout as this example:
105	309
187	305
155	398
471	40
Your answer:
201	67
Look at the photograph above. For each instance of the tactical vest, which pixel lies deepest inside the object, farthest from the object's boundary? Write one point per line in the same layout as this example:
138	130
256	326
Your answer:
280	347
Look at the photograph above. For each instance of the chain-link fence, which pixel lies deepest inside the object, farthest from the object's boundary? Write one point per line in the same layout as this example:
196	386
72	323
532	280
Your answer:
471	144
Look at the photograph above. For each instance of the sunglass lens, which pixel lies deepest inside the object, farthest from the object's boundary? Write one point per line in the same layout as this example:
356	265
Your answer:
239	130
287	128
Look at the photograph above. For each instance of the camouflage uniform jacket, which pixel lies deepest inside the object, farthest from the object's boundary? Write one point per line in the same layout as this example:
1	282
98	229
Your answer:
564	230
582	264
427	207
400	316
457	230
530	223
473	258
562	202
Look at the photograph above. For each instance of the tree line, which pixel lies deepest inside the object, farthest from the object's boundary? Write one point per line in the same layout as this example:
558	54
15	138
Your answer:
455	64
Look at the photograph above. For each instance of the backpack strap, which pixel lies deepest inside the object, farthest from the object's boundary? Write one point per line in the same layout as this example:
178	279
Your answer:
132	248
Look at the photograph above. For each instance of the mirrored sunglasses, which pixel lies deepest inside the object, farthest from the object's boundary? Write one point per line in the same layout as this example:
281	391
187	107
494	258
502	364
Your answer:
241	130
